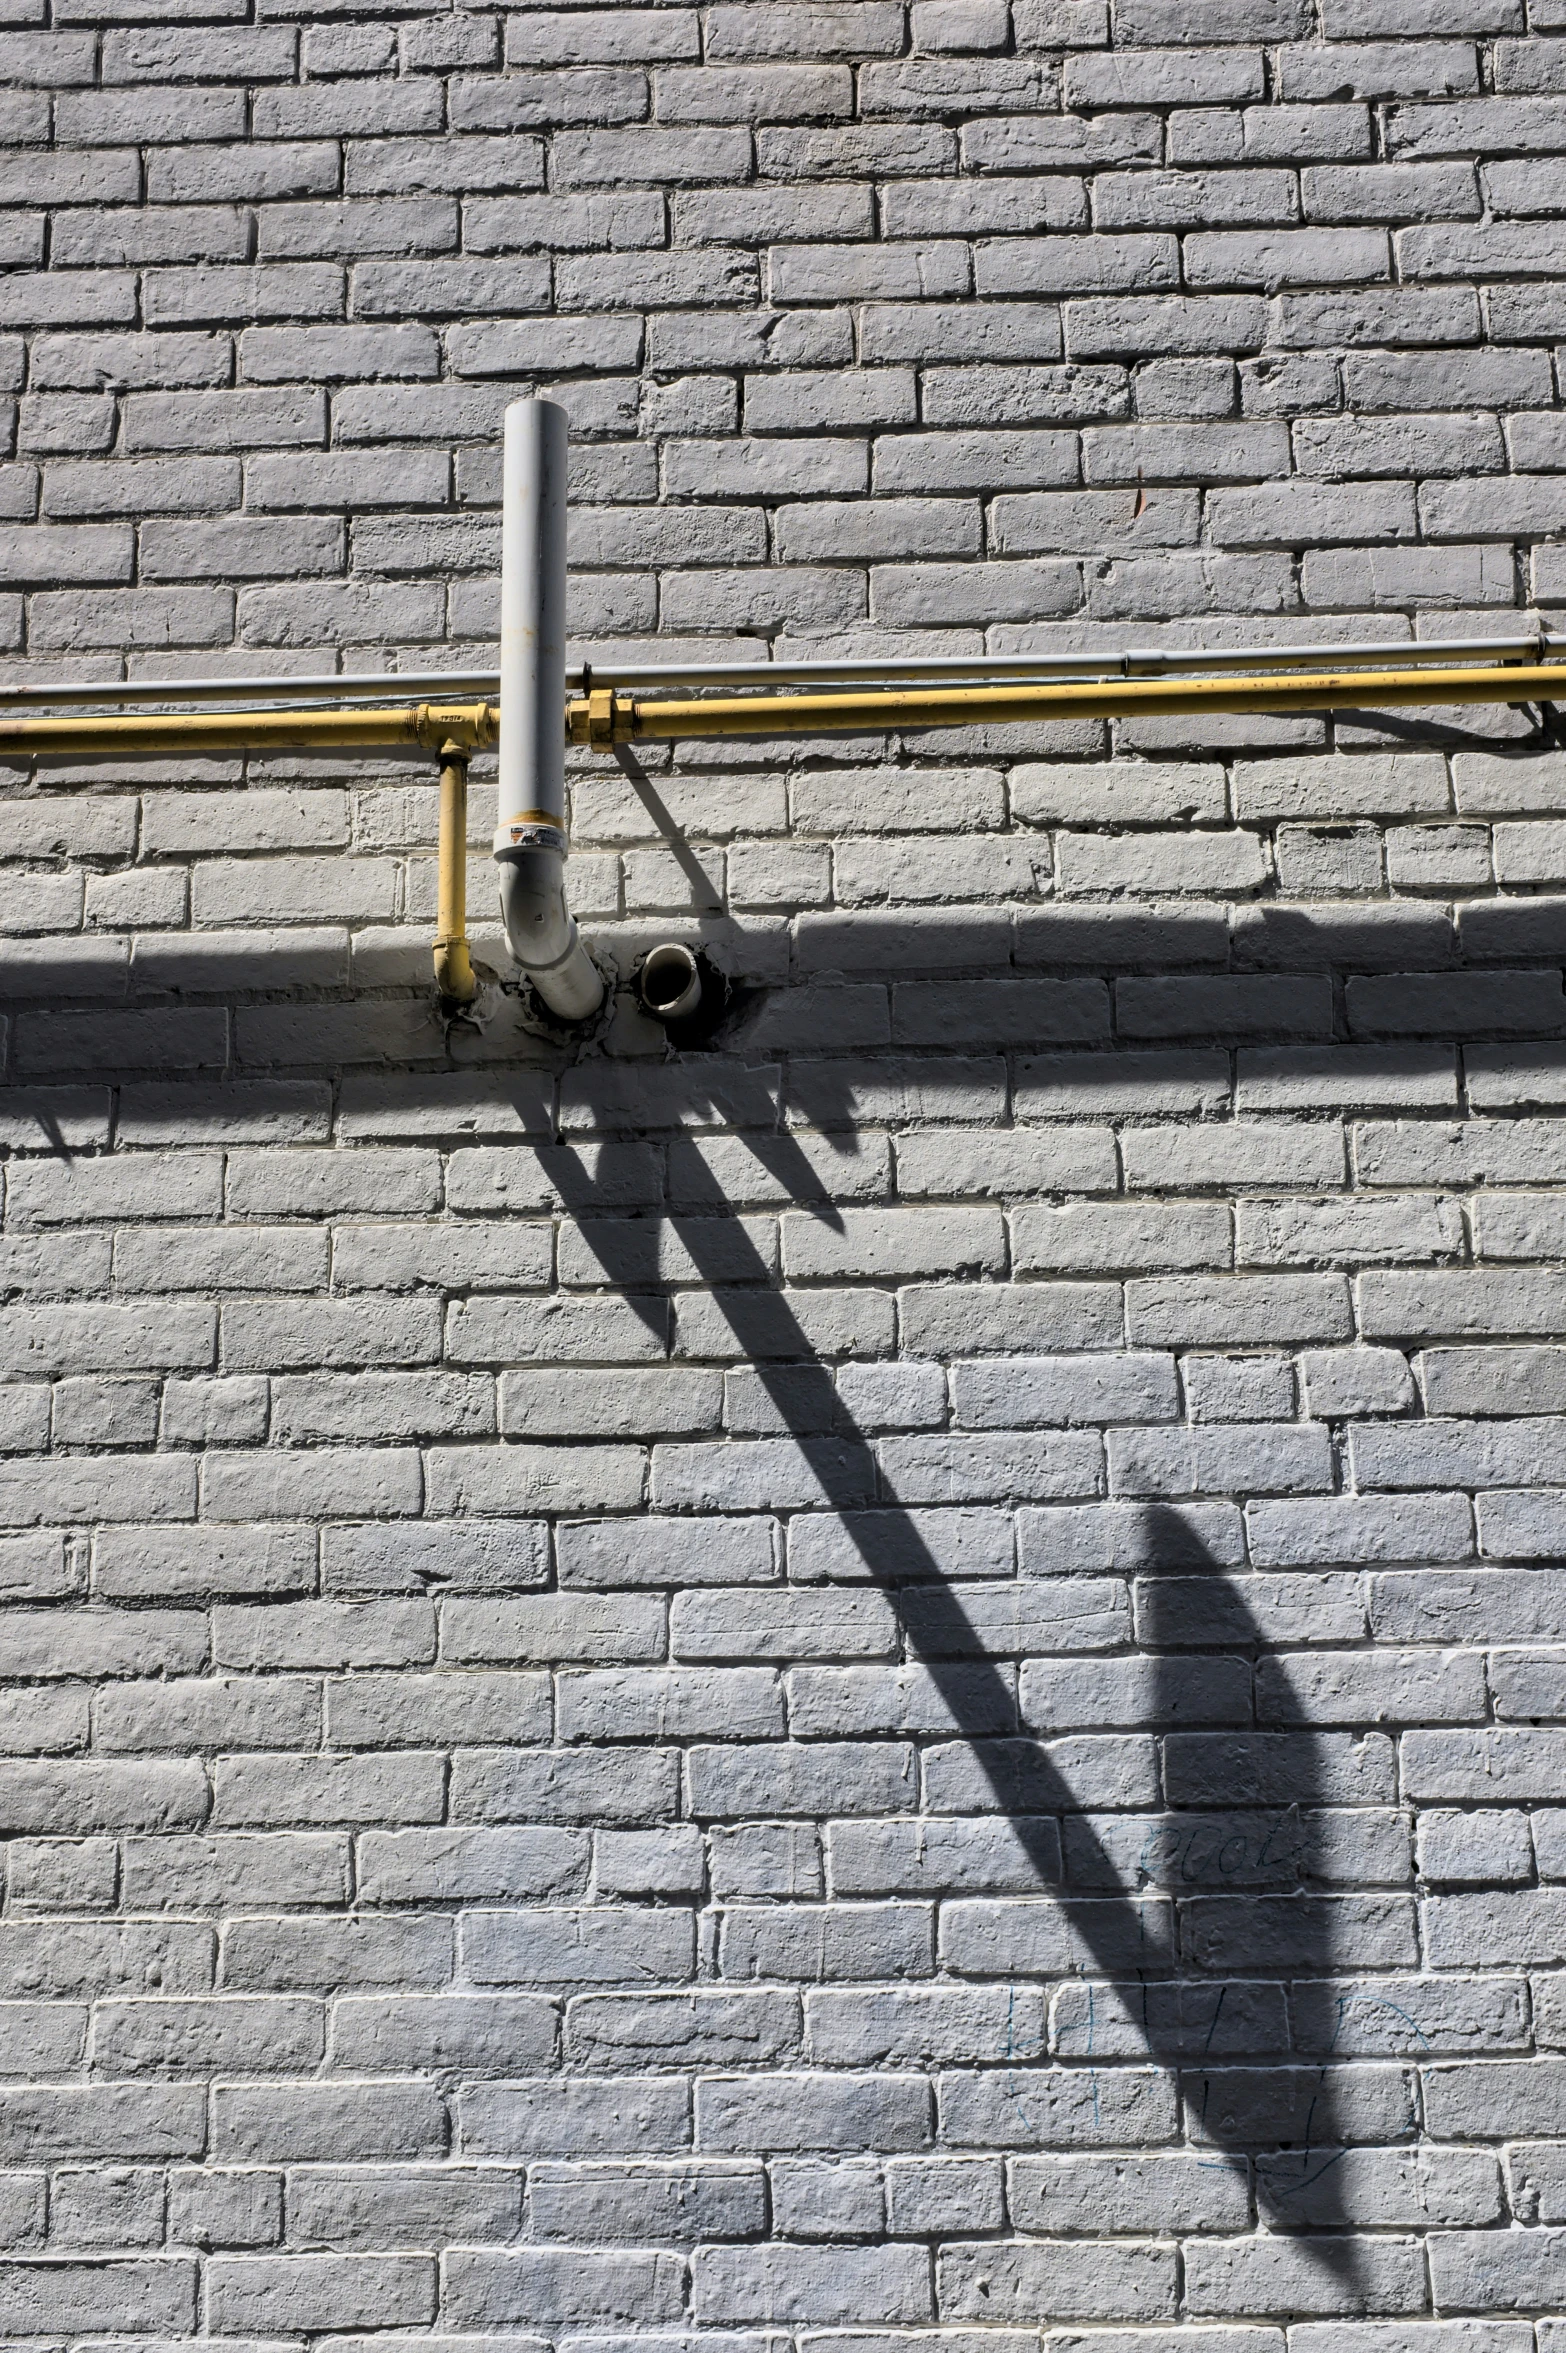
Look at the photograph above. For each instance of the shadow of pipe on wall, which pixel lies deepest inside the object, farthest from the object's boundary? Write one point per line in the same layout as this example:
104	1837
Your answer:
1182	1928
1184	1916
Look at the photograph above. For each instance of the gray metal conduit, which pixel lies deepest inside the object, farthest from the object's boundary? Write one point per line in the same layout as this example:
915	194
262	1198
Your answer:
395	686
530	838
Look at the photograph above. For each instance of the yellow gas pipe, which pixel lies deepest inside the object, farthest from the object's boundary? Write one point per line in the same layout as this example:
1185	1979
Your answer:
454	974
423	726
454	730
602	717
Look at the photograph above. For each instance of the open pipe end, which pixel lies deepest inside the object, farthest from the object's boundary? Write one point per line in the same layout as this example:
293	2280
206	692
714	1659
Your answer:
669	986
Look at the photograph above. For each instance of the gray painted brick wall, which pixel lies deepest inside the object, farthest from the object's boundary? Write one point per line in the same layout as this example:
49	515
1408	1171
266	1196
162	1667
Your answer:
901	1684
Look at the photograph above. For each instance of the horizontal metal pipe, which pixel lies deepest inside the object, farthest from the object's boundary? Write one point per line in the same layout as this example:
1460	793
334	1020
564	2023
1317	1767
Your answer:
425	725
606	719
1045	668
368	688
1382	653
365	686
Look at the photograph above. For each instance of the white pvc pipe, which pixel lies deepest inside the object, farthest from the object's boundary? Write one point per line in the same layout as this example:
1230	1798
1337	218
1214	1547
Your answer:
530	838
670	984
532	618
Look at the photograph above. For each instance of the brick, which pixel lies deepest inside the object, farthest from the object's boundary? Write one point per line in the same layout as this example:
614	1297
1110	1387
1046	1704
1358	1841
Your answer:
563	2286
1088	265
1113	328
716	2028
1377	316
314	1791
607	1946
199	1873
250	2035
258	2292
1511	1763
1271	1079
1492	1302
977	2109
79	1798
810	2284
43	2295
223	420
243	173
580	2118
1490	1380
1237	2275
1405	1527
707	2198
292	2121
1491	1453
934	86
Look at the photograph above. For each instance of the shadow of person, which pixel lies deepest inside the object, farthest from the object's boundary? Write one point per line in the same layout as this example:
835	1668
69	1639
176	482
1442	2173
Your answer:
1142	1827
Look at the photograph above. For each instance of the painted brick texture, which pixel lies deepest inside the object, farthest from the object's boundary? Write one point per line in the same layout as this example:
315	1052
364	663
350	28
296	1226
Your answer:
901	1682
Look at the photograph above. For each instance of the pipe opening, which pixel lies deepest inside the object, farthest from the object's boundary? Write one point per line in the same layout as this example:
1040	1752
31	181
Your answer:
670	983
684	990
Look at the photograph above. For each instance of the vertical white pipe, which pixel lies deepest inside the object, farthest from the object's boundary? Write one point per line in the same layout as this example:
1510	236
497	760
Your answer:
530	839
532	619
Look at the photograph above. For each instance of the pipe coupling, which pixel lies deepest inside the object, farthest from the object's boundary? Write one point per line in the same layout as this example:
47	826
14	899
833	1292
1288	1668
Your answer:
464	727
600	717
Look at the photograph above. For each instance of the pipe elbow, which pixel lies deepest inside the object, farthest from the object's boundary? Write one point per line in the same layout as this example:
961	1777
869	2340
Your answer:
533	908
455	977
543	934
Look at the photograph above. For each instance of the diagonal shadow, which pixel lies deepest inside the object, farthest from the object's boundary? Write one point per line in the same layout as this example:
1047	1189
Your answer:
706	897
1186	1922
1434	728
1171	1979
